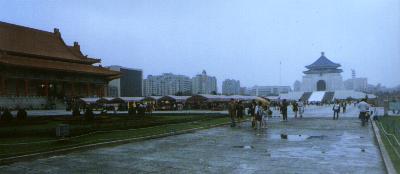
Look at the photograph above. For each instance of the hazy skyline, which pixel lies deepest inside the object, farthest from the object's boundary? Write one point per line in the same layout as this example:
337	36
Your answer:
242	40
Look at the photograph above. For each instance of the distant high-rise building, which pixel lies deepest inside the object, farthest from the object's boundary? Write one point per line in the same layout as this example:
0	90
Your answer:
204	84
268	90
231	87
243	91
356	84
167	84
128	85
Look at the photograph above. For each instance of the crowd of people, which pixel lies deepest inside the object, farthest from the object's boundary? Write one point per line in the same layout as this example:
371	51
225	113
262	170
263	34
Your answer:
336	108
140	108
260	112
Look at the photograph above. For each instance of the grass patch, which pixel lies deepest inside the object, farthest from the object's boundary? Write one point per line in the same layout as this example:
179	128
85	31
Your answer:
20	139
392	126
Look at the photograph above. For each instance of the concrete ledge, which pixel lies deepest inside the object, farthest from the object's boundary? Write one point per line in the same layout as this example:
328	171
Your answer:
386	158
9	160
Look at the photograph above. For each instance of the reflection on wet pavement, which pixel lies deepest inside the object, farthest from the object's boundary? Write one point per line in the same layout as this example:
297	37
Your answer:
308	145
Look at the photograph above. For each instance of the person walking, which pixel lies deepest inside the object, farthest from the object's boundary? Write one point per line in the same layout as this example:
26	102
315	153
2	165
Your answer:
283	108
239	112
295	108
232	112
300	105
336	110
252	112
265	115
259	113
343	105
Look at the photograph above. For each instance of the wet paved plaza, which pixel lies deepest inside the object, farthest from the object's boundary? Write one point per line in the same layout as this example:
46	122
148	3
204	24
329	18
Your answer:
308	145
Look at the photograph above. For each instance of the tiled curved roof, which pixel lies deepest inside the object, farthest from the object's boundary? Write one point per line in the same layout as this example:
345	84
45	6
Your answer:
322	63
20	39
31	48
29	62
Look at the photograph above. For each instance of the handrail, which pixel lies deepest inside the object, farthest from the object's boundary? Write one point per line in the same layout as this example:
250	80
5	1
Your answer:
397	141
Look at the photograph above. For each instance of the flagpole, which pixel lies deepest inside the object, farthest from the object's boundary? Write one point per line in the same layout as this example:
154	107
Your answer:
280	73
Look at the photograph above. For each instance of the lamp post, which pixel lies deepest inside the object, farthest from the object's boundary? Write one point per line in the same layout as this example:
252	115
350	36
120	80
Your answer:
42	86
46	87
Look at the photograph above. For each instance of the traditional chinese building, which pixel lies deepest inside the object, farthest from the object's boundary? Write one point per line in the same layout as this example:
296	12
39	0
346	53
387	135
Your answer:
323	82
39	63
322	75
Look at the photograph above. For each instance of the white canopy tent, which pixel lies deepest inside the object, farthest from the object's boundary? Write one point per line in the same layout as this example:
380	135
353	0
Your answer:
345	94
291	96
128	99
89	100
175	98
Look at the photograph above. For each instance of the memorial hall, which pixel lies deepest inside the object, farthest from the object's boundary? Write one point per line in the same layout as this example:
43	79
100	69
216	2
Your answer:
37	66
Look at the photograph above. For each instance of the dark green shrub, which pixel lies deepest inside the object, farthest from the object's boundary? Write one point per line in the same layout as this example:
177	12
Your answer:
132	111
6	116
22	114
76	113
89	116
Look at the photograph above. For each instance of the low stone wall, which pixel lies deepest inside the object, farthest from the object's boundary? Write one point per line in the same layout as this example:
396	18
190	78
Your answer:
23	102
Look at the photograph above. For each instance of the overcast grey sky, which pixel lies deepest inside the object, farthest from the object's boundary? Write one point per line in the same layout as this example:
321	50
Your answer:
239	39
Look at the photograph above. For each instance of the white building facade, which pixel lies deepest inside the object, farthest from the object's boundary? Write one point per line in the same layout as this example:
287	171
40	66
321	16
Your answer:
356	84
263	91
204	84
231	87
167	84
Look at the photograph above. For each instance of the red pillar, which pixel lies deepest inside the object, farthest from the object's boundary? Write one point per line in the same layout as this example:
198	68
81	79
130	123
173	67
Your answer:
46	88
72	89
26	87
105	90
96	90
87	89
63	89
17	87
4	81
1	85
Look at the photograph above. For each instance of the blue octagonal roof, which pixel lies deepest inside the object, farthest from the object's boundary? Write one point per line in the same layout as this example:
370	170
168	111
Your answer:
323	63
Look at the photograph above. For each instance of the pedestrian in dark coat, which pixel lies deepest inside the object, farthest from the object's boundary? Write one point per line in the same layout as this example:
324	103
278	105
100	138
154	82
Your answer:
283	108
295	108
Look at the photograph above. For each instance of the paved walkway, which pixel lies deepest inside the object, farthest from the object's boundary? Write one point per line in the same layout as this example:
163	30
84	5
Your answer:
313	145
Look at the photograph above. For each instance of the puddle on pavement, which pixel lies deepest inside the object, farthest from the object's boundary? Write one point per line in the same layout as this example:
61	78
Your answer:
297	137
289	137
317	137
243	147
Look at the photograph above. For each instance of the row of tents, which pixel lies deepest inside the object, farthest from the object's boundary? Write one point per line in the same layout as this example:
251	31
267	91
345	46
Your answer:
208	98
173	99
